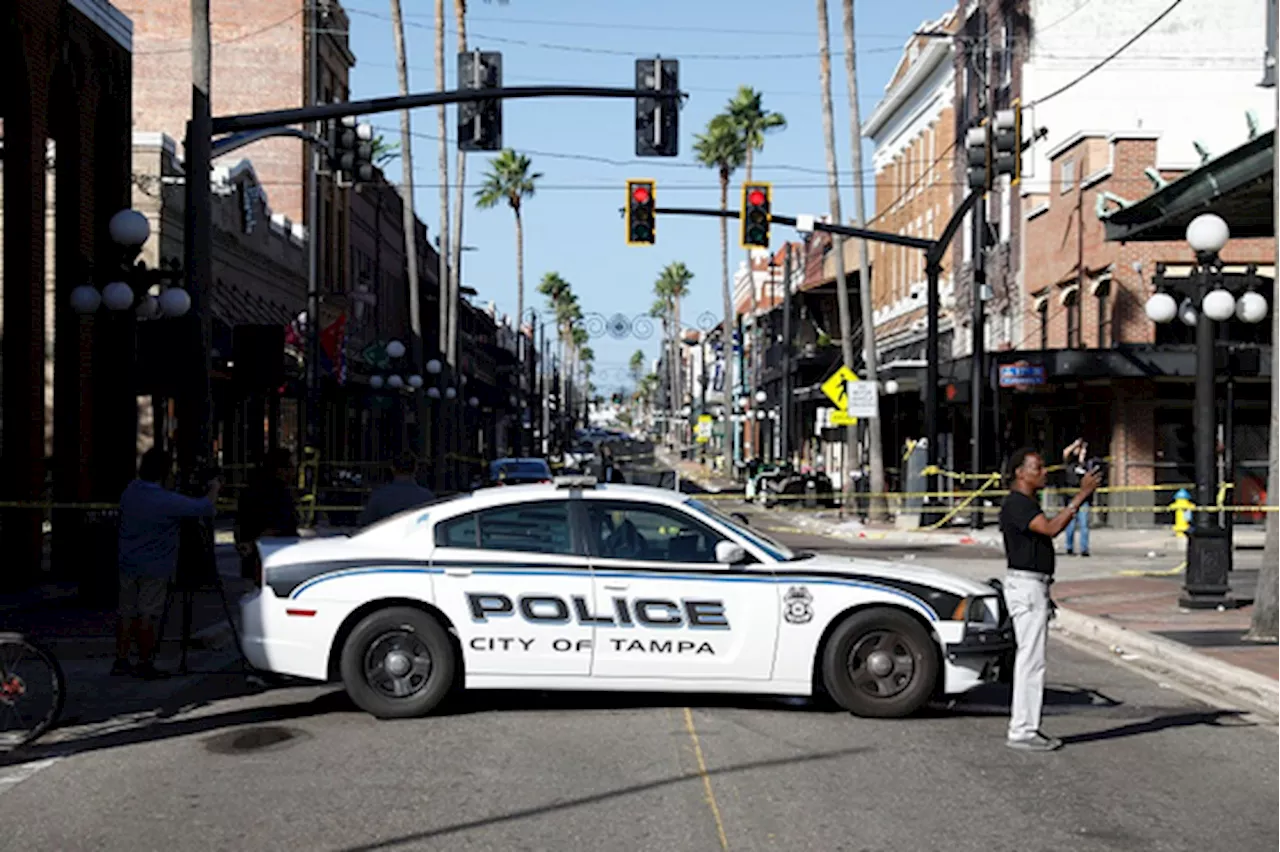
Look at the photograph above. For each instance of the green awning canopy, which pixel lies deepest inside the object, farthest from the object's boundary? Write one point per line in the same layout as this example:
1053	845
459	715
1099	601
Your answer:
1238	186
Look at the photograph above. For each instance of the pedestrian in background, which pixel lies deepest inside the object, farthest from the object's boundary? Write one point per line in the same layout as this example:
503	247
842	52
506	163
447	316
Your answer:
400	494
150	518
1028	546
266	508
1075	464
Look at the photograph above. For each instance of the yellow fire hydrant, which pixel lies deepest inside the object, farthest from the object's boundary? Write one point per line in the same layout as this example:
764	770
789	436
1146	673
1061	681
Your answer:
1181	506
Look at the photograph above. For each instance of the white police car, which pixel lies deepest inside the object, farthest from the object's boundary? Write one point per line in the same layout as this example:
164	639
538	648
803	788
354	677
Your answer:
574	585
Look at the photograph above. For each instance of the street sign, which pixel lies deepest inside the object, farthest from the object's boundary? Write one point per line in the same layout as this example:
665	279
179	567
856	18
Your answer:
704	428
841	418
1021	374
862	399
834	387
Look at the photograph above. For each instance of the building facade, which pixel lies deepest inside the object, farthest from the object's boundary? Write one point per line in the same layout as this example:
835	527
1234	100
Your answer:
65	107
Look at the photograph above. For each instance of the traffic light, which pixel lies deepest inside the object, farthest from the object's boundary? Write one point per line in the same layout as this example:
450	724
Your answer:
480	122
977	146
640	220
756	204
657	119
1008	143
351	150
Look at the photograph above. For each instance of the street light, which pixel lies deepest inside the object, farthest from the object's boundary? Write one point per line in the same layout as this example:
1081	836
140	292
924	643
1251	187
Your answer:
761	396
1209	547
134	283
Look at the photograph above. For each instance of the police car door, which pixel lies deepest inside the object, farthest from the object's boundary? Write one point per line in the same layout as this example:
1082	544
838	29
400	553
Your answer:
665	608
515	581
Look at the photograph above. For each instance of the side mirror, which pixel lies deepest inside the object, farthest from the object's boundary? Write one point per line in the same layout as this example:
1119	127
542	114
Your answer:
730	553
741	516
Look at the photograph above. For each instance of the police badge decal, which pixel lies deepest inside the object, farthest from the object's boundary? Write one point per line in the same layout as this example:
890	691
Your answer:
796	605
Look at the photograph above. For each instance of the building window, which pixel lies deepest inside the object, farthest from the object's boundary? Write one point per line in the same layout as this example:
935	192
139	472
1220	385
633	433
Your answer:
1068	179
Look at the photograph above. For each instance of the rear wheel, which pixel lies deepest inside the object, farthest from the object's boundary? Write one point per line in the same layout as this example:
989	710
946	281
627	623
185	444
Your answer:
32	690
880	663
398	663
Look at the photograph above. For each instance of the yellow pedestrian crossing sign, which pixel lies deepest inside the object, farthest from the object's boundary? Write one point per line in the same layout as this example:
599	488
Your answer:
834	388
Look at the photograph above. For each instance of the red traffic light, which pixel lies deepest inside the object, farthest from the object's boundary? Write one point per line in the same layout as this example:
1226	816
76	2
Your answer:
755	197
640	194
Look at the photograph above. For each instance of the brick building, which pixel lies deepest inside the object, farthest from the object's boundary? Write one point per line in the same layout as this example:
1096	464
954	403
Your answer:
65	106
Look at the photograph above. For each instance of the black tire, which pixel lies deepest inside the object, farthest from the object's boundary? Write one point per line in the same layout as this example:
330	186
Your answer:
33	690
899	681
369	669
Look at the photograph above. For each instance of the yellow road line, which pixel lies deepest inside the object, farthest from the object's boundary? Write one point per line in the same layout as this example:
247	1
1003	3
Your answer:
706	778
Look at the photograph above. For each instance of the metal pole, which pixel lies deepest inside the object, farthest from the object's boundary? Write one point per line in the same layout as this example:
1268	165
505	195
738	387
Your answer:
313	241
193	400
1208	551
976	373
786	357
932	269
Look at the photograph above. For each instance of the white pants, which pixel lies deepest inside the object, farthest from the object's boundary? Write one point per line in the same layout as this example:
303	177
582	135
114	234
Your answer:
1028	602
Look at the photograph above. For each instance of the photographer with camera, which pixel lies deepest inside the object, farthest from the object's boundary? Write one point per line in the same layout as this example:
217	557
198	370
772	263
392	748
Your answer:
151	514
1076	461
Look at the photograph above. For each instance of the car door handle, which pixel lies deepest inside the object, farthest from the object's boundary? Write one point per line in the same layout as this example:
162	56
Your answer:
457	572
617	587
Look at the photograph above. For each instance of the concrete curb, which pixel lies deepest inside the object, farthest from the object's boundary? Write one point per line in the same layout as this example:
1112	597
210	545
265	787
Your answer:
1207	674
856	533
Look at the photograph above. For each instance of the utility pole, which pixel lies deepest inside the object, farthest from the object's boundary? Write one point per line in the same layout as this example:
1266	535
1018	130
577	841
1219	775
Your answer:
312	407
785	420
193	400
977	70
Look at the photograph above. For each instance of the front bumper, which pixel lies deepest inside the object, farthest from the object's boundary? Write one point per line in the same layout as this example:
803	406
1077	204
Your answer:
986	638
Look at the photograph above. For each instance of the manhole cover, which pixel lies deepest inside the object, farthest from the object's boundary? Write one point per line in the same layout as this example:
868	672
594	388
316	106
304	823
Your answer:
262	738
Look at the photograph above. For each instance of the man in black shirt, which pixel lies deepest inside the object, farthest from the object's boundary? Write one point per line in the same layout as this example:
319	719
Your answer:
1028	547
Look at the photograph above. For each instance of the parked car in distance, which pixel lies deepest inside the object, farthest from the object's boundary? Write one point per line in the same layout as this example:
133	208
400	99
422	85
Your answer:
519	471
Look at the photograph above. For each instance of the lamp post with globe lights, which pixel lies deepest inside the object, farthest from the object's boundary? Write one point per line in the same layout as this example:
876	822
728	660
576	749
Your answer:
1208	546
132	285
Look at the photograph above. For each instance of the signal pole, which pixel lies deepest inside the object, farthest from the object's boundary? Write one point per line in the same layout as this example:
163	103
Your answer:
977	61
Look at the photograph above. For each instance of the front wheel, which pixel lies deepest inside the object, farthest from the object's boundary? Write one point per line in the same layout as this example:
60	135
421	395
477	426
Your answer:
398	663
880	663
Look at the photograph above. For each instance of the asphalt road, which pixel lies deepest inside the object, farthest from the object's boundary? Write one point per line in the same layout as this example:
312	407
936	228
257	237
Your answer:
1145	768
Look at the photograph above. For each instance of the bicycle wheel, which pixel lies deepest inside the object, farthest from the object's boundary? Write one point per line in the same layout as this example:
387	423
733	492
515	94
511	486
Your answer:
32	690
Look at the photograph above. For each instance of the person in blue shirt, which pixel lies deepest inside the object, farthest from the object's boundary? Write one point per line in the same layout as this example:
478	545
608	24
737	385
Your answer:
400	494
150	518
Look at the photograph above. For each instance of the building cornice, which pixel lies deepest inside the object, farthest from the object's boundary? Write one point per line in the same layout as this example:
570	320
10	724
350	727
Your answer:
929	59
110	20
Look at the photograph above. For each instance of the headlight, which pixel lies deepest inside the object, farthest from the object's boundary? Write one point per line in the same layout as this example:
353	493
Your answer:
979	612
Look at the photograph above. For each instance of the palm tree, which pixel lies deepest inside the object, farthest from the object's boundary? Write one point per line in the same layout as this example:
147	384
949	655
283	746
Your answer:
455	262
833	192
722	148
510	180
662	310
448	306
877	510
382	151
409	218
753	121
637	366
673	285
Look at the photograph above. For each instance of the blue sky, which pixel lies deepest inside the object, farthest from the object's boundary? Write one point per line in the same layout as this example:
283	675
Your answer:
572	225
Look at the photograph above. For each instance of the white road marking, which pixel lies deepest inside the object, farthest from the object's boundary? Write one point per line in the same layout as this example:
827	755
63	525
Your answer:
15	775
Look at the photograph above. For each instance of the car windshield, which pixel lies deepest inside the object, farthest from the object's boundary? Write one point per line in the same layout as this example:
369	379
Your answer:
532	467
775	549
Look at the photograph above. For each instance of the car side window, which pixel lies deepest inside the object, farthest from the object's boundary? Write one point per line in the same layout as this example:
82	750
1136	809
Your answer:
647	532
459	532
541	527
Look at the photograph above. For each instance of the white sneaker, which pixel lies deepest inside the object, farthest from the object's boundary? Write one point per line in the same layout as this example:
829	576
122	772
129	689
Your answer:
1036	742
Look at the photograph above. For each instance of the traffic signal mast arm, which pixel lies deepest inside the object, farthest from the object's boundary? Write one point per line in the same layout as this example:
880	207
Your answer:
843	230
300	115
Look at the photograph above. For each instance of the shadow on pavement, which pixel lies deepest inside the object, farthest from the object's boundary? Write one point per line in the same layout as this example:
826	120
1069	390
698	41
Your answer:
1213	718
609	795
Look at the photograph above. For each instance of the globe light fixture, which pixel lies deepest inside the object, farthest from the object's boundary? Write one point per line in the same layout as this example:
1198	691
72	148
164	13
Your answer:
395	349
1187	313
415	381
1219	305
395	382
434	367
761	396
376	382
433	392
117	296
129	229
175	302
1251	307
450	393
1161	308
891	386
148	308
85	299
1208	233
473	402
